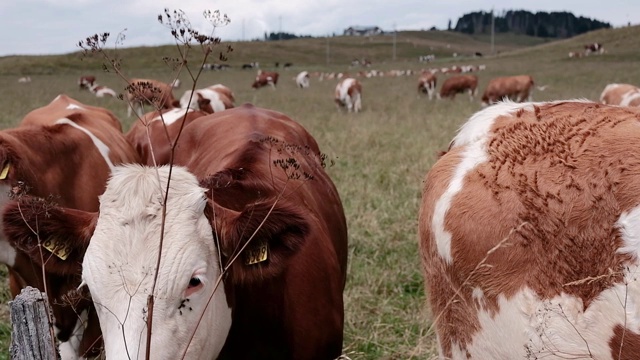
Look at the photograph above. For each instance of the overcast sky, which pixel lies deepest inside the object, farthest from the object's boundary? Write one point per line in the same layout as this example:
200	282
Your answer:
56	26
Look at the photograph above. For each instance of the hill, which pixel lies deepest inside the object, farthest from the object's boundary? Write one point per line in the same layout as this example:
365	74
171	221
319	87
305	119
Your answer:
311	52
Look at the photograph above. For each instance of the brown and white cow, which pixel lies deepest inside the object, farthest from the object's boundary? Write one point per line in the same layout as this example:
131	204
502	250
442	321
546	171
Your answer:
102	91
154	134
621	94
302	80
65	151
219	98
530	234
265	78
427	84
517	88
85	81
593	48
148	91
251	196
348	95
458	84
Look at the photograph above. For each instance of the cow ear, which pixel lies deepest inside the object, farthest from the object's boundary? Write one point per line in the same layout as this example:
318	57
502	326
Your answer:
257	242
54	236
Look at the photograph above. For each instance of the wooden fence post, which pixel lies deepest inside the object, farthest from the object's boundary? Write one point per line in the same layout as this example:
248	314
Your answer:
31	337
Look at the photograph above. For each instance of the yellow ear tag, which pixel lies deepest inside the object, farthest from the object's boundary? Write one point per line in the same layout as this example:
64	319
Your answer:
58	249
5	171
256	253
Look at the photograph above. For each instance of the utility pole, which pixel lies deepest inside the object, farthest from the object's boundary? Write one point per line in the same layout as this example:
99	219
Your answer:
493	27
395	33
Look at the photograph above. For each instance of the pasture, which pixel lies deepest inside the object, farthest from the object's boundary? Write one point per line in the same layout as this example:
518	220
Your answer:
378	157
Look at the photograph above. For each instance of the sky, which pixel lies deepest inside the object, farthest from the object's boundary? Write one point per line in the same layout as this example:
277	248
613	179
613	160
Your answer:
38	27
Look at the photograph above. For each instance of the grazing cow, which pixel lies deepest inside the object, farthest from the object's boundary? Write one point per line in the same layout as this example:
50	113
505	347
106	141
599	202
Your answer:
593	48
265	78
153	92
154	134
516	88
458	84
220	98
348	94
251	65
84	82
302	80
287	65
25	79
621	94
530	234
250	196
64	150
102	91
427	84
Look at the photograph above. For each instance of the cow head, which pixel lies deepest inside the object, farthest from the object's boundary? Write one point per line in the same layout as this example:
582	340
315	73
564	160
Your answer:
120	246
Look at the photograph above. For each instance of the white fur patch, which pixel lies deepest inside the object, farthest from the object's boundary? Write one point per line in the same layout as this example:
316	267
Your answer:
556	328
629	97
629	226
172	115
102	147
74	107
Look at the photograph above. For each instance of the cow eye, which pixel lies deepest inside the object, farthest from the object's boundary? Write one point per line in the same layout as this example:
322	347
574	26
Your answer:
194	282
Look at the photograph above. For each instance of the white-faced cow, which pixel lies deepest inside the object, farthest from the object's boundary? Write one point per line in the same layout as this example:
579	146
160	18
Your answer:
459	84
517	88
265	78
64	150
621	94
85	81
154	134
302	79
101	90
146	91
250	196
530	234
427	84
220	98
348	95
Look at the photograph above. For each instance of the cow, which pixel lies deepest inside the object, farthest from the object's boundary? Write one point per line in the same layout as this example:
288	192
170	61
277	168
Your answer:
529	234
287	65
265	78
517	88
148	91
621	94
85	81
427	84
64	153
593	48
248	196
220	98
25	79
154	134
101	90
458	84
348	95
302	79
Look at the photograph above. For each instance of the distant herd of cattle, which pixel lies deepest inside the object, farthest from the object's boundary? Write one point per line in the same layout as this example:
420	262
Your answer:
528	225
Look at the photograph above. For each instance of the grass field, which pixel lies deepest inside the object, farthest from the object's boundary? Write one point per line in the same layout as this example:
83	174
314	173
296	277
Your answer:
381	155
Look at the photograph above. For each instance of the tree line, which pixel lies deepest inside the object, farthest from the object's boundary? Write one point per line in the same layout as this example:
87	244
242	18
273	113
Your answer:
539	24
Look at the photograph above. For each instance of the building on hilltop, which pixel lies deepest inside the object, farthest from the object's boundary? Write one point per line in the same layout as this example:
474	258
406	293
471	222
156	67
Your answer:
362	31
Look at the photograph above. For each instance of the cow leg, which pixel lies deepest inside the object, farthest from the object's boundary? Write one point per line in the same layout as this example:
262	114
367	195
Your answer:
357	106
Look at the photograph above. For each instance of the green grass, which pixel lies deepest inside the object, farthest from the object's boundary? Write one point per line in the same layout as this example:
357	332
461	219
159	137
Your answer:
381	155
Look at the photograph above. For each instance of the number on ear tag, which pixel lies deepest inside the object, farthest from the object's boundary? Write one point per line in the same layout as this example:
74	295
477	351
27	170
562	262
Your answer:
5	171
256	253
58	249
